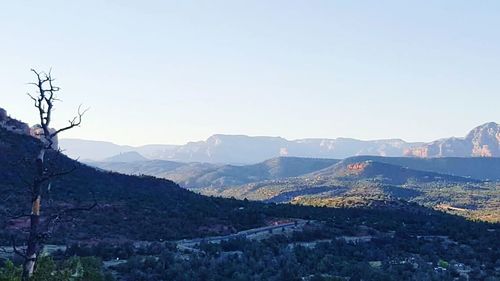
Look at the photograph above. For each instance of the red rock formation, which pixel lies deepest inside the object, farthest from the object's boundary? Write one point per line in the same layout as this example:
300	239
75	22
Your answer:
357	167
422	152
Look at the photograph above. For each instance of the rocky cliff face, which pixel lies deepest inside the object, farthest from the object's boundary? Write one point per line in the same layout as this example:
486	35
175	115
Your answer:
482	141
485	140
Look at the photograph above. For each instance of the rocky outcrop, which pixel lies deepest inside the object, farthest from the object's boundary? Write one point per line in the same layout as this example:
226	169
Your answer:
36	131
357	168
12	124
22	128
482	141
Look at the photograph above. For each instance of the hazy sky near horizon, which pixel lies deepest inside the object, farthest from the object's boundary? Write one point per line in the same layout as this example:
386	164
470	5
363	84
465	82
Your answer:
178	71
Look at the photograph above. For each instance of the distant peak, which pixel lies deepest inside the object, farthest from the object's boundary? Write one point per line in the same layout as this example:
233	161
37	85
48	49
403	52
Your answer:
129	156
489	125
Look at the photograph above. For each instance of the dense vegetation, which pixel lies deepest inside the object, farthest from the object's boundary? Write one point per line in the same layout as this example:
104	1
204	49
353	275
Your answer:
316	254
381	244
74	269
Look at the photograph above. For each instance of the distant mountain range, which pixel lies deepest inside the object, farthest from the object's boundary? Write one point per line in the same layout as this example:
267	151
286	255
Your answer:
238	149
197	175
482	141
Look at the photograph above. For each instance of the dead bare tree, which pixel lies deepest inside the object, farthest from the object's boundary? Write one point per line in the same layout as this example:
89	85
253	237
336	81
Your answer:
43	99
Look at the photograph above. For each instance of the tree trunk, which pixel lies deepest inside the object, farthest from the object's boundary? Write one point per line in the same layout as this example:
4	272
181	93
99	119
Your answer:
44	102
34	247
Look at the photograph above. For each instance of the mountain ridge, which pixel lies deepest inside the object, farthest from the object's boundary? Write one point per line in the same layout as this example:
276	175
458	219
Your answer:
196	175
481	168
483	140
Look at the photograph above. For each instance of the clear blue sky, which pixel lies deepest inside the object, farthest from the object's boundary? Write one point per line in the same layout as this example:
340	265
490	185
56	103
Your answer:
174	71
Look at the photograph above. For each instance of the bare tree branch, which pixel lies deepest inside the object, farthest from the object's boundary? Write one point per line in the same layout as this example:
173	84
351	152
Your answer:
44	102
75	122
